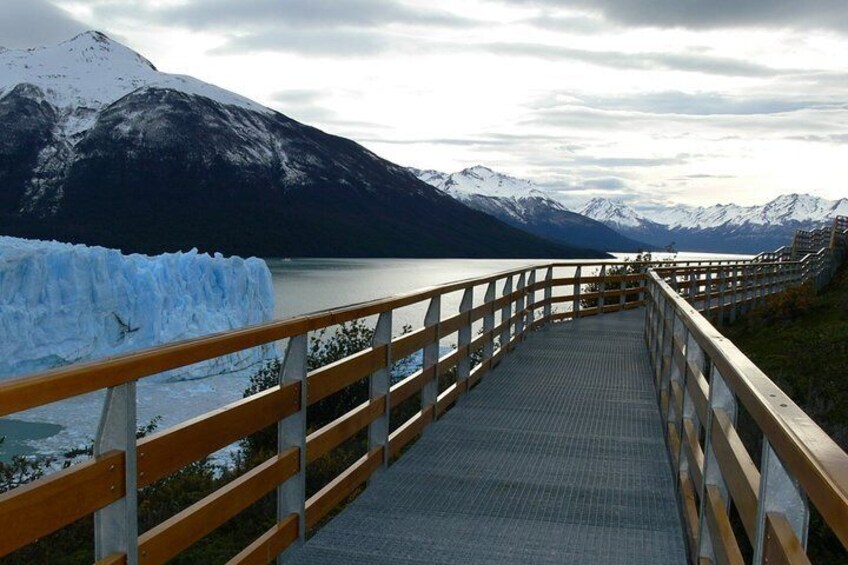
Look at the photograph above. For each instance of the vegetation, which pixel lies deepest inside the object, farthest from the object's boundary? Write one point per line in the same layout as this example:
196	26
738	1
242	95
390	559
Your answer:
637	265
800	340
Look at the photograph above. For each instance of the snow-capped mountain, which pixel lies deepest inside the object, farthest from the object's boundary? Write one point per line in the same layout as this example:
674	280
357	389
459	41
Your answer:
521	203
99	147
722	227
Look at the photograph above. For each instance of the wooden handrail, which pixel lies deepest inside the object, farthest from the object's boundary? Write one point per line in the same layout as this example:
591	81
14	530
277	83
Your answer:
165	452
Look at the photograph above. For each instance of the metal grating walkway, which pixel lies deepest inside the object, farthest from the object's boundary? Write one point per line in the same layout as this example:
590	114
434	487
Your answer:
556	457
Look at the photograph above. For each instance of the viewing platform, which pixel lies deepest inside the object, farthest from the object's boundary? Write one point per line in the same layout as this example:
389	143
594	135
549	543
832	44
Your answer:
557	457
584	412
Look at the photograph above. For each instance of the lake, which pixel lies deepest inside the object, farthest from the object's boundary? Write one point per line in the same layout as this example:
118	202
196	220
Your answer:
300	286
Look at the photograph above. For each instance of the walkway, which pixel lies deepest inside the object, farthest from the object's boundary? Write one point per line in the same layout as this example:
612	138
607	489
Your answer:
556	457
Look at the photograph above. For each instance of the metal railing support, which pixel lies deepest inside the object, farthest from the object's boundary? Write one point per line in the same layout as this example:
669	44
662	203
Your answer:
779	493
430	390
489	325
549	276
520	305
291	432
506	311
531	300
576	306
116	526
721	397
380	381
463	368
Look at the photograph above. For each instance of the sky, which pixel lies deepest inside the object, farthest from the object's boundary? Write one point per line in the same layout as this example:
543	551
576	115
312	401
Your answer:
651	102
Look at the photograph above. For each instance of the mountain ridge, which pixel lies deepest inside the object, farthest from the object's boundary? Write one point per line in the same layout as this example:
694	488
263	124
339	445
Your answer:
519	202
101	148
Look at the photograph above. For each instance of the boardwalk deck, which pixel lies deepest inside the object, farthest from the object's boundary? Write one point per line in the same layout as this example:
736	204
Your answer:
556	457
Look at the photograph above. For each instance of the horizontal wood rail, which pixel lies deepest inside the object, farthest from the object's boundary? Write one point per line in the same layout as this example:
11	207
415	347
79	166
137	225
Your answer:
702	382
514	302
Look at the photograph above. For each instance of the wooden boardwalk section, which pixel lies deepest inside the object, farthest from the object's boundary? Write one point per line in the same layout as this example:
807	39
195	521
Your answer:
557	456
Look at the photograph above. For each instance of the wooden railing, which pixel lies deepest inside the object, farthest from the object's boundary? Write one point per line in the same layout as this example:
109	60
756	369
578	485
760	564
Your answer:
702	381
514	302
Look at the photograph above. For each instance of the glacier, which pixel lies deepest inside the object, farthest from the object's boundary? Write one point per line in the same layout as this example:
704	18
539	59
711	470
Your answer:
62	303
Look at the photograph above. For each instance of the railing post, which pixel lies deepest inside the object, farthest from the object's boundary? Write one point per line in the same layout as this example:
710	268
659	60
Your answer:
489	325
721	397
430	390
549	277
733	286
291	432
576	306
709	290
380	381
781	494
622	289
602	289
463	368
506	311
520	305
531	299
116	526
693	286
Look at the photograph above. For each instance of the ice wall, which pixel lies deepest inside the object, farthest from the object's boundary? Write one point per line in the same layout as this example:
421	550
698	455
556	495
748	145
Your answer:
62	303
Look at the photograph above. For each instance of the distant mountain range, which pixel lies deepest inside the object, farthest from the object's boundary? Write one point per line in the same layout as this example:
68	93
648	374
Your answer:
720	228
99	147
522	204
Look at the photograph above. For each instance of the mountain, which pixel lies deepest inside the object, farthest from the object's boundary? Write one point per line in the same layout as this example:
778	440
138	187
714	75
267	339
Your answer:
520	203
99	147
723	227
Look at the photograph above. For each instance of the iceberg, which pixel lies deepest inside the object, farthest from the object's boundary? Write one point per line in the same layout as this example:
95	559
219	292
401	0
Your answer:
62	303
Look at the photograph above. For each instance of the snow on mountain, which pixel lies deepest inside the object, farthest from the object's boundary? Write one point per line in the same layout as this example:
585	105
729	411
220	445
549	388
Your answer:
62	304
783	210
611	212
521	203
481	180
90	71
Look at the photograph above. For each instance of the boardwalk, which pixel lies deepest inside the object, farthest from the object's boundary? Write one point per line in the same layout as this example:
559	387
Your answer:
556	457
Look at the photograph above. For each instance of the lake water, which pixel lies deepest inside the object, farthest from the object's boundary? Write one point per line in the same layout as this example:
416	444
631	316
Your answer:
300	286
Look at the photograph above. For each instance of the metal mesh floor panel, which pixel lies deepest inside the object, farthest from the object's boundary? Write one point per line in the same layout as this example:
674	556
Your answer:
556	457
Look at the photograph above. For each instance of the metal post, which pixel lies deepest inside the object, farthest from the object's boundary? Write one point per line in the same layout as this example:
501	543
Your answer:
489	325
720	397
549	277
576	307
693	286
622	288
463	367
531	300
780	493
291	432
709	297
116	525
430	390
520	305
602	288
506	311
380	381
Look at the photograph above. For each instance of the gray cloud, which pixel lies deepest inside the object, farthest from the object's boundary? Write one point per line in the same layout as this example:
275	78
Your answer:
708	14
703	104
837	138
32	23
694	62
310	42
292	14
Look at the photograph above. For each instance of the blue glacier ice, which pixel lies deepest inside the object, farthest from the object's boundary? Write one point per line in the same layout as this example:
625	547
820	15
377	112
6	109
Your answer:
63	303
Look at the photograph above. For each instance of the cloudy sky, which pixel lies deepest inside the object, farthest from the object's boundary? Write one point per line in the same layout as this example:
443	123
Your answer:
649	101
